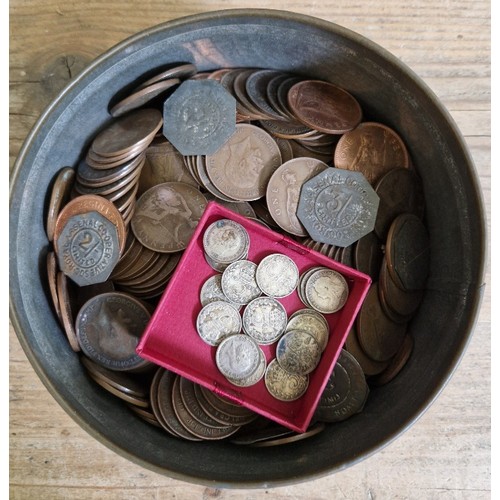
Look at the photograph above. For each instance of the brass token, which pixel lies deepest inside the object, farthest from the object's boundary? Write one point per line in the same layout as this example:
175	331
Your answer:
61	191
66	311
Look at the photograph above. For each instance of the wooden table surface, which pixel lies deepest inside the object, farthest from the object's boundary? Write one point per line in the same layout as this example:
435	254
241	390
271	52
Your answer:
446	454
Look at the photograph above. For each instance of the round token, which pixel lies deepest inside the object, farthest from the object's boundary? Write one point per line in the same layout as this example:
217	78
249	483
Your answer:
217	321
369	366
298	352
283	385
238	282
264	319
238	357
61	191
256	89
277	275
396	364
326	291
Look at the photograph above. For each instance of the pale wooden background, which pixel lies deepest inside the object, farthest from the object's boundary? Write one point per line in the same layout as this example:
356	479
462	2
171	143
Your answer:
447	453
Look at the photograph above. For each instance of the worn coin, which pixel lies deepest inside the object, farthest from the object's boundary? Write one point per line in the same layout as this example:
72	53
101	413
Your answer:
52	279
264	319
238	282
313	430
217	321
298	352
65	305
283	191
211	291
109	327
312	322
61	191
226	241
166	216
368	255
326	290
242	167
277	275
240	207
238	357
283	385
369	366
372	149
182	71
201	173
396	364
255	377
256	89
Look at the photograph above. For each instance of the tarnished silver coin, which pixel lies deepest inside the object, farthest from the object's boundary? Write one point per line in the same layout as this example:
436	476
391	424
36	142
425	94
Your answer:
277	275
338	207
238	282
238	357
312	322
283	385
216	321
211	291
298	352
255	376
264	319
226	241
326	290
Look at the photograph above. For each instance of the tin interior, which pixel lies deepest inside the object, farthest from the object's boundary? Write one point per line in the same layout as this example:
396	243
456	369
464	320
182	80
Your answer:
388	92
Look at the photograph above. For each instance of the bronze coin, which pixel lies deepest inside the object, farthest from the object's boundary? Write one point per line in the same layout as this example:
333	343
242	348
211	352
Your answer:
379	337
396	364
272	94
129	258
87	292
256	90
300	151
262	212
368	255
324	106
186	70
269	432
135	278
400	191
290	129
285	149
123	134
369	366
227	81
52	279
60	194
372	149
65	305
216	74
202	174
126	203
166	216
311	431
282	94
152	281
147	259
240	93
104	163
153	398
408	252
146	415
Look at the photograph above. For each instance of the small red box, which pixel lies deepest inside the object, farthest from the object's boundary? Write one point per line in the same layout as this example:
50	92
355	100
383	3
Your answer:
171	340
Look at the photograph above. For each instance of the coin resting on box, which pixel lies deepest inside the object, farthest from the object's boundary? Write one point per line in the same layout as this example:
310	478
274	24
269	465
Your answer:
172	341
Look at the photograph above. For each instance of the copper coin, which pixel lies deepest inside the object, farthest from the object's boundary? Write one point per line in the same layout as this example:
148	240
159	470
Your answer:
202	174
146	260
372	149
153	398
267	433
290	129
65	305
240	207
408	252
104	163
256	89
150	272
369	366
324	106
242	167
239	89
123	134
300	151
379	337
400	191
129	258
368	255
52	279
87	292
272	94
166	216
396	364
186	70
146	415
278	441
227	81
109	327
283	191
142	96
60	194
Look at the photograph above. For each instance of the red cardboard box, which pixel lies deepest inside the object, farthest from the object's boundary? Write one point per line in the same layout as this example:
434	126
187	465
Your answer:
171	340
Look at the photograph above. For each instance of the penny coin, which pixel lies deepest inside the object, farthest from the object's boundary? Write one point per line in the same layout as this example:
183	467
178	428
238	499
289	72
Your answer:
262	213
238	357
225	241
299	151
379	337
283	385
298	352
286	129
105	163
146	415
199	117
312	322
372	149
277	275
400	191
278	441
324	106
396	364
201	173
240	93
166	216
256	89
264	319
240	207
285	149
153	399
326	290
369	366
267	433
123	134
242	167
211	291
109	327
60	194
283	191
52	279
368	255
147	258
65	306
238	282
217	321
186	70
407	252
255	377
272	94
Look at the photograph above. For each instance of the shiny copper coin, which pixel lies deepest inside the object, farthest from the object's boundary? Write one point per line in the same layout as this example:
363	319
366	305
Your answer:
186	70
396	364
52	279
60	194
369	366
368	255
65	305
372	149
278	441
123	134
324	106
379	337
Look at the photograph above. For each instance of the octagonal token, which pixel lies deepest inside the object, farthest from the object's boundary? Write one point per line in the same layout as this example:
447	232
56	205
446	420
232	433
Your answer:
338	207
199	117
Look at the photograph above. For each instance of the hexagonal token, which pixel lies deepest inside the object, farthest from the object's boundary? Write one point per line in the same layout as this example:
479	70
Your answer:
338	207
88	248
199	117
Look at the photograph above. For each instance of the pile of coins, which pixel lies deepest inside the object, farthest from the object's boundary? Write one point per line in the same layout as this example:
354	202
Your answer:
122	217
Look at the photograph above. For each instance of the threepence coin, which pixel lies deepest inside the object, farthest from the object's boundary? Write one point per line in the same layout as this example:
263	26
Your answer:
326	291
238	282
211	291
216	321
298	352
277	275
238	357
312	322
264	319
226	241
283	385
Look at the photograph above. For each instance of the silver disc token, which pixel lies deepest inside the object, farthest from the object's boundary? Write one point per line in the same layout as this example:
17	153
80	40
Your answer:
226	241
277	275
326	291
298	352
216	321
238	282
264	319
283	385
238	357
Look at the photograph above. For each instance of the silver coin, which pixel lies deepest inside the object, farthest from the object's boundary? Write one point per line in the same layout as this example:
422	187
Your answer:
277	275
303	282
238	357
211	291
326	291
216	321
264	319
312	323
225	241
298	352
255	376
283	385
238	282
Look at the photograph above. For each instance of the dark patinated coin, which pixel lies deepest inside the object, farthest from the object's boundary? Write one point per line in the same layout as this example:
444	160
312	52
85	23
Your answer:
181	71
368	255
396	364
153	399
337	207
109	327
369	366
256	88
294	437
66	308
199	117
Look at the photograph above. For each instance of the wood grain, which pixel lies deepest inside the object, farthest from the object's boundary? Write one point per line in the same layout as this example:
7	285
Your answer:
446	454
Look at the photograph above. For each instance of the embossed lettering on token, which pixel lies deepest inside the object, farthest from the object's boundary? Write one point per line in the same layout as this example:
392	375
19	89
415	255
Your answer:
216	321
264	319
109	327
225	241
277	275
199	117
238	282
283	385
337	207
238	357
166	216
298	352
327	291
